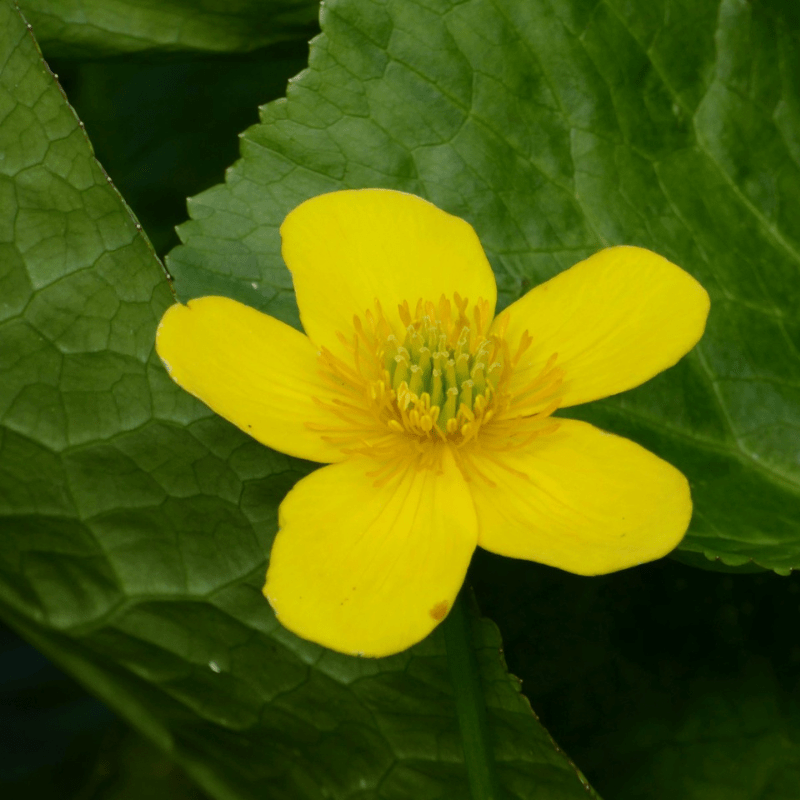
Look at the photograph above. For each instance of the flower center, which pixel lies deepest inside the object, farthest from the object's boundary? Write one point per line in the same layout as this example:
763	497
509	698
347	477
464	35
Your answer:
436	375
436	380
446	371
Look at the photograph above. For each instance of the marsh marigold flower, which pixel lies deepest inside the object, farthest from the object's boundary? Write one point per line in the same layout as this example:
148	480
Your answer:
435	416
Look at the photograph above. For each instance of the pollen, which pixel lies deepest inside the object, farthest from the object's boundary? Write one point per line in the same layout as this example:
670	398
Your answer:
433	373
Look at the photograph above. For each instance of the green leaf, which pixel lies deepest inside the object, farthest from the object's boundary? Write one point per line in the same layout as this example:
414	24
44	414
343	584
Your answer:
557	128
664	682
101	28
155	138
130	768
734	737
136	523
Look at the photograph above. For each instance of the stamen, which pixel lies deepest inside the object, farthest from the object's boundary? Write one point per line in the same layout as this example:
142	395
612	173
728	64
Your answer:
444	377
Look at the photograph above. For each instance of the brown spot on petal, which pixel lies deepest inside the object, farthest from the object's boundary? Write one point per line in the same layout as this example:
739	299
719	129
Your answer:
439	611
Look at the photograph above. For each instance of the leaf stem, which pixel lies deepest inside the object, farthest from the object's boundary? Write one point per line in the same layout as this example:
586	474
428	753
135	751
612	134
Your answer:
470	704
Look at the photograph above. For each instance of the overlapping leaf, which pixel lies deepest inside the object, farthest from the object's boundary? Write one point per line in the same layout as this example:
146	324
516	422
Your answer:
664	682
557	128
150	126
135	523
101	28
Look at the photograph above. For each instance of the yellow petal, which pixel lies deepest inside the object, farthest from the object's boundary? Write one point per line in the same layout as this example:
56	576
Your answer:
587	502
369	570
615	320
252	369
346	249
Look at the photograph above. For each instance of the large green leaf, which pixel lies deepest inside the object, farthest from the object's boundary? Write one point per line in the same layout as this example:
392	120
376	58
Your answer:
737	736
136	523
664	682
100	28
556	128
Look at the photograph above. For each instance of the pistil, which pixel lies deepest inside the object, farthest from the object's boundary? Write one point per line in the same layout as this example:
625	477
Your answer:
444	378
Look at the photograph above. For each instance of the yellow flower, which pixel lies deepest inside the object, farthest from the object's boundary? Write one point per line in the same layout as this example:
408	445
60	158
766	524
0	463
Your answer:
434	415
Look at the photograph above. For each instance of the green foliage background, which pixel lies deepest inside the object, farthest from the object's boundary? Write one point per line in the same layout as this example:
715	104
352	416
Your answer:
135	524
